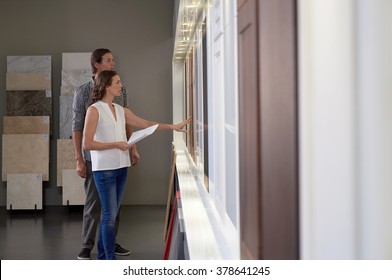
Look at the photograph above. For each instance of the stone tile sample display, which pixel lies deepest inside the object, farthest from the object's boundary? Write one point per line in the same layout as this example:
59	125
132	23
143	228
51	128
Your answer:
73	188
76	61
29	103
67	90
66	116
26	125
65	158
28	81
24	191
25	153
26	63
75	78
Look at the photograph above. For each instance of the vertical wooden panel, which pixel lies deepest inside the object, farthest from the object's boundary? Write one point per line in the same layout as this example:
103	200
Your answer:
249	128
240	3
268	129
278	103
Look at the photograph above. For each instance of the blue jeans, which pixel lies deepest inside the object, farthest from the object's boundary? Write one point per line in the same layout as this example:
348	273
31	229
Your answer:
111	186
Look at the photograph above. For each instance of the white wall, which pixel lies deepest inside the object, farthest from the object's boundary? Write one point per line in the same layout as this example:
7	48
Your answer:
345	136
374	72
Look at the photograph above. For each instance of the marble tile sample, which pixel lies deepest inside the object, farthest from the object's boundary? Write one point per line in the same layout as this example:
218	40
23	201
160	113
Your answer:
26	125
29	63
76	61
67	90
66	116
73	188
65	158
25	153
29	103
28	81
75	78
24	191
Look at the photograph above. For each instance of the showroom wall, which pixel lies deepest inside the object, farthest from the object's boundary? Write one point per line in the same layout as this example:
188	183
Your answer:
140	35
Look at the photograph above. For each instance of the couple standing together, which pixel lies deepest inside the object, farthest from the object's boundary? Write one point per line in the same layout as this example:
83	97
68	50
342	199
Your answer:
102	154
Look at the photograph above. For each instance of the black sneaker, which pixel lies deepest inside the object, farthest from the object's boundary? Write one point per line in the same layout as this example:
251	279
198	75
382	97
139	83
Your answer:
84	254
120	251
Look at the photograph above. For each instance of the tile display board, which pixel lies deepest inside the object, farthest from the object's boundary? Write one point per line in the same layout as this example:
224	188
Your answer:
28	184
29	103
65	158
73	188
76	70
26	125
26	129
25	153
28	64
29	85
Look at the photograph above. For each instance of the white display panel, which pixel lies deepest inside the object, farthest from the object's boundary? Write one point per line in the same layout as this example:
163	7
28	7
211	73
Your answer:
209	94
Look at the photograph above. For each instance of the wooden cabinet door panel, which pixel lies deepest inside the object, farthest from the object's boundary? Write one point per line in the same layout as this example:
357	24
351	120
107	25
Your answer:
249	131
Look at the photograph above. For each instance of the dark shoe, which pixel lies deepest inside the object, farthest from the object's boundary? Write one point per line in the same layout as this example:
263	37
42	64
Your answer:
120	251
85	254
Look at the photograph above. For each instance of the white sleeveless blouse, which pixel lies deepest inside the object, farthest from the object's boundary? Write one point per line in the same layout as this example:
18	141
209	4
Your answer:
110	130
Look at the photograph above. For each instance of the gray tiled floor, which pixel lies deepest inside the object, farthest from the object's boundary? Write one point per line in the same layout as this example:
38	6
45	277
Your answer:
54	233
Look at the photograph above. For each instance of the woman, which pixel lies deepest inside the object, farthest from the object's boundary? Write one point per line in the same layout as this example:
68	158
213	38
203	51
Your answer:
105	136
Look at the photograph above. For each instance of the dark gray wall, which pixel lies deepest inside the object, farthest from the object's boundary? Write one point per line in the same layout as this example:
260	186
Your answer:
139	33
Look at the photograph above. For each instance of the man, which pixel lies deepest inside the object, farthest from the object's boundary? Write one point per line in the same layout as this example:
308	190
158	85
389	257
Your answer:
101	59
